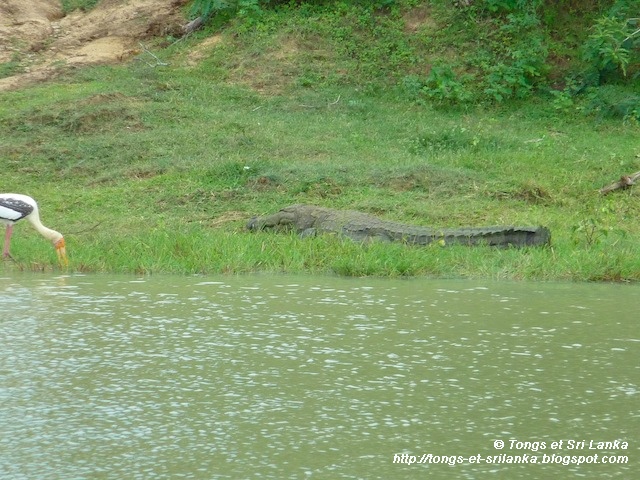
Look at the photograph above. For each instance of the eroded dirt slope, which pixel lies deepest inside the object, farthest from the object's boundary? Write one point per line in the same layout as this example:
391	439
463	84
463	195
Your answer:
35	35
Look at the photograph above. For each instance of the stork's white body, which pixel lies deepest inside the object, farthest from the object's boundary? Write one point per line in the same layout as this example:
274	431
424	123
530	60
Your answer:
15	207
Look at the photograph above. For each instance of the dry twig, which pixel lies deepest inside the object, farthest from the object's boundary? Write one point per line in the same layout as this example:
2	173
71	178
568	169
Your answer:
158	61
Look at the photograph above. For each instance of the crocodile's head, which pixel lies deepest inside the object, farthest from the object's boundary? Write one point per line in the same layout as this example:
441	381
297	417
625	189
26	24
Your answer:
281	219
254	224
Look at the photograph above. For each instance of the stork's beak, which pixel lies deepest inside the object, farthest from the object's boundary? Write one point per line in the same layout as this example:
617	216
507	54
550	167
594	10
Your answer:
62	252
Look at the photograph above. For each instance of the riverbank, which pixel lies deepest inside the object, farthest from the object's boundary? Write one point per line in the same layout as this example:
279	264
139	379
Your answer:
151	168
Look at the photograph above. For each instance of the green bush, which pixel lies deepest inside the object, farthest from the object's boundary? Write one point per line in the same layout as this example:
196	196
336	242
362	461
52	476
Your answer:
613	48
226	9
612	101
445	87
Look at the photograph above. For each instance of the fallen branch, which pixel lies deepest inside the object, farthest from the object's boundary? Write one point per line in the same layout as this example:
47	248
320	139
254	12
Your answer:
192	26
624	182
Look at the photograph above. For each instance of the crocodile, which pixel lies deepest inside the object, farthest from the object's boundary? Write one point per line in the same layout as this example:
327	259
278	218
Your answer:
310	220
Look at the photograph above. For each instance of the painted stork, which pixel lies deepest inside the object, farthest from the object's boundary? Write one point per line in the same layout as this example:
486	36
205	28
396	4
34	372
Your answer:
13	208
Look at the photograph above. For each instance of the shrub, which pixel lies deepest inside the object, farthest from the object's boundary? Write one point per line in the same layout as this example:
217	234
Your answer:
612	101
444	86
614	47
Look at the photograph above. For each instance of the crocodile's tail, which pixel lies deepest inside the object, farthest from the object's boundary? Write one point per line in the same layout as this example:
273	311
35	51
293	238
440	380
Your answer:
498	236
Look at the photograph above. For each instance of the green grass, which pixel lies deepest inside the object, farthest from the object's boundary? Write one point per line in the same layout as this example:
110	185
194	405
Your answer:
157	170
12	67
71	5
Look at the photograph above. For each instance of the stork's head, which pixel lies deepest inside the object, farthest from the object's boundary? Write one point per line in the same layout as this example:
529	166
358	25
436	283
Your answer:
61	251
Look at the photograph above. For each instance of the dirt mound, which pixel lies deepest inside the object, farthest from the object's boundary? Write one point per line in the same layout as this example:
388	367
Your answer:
36	36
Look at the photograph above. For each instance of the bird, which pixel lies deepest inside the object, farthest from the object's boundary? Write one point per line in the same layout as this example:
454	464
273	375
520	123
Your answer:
13	208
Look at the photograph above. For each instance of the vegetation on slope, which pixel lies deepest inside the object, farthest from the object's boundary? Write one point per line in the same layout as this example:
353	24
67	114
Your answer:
457	52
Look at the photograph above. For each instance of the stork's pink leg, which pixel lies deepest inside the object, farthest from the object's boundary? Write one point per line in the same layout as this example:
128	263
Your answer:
7	242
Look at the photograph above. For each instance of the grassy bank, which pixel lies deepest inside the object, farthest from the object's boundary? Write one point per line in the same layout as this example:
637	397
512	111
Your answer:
156	169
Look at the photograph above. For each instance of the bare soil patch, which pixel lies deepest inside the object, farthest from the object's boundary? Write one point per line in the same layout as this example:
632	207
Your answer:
35	34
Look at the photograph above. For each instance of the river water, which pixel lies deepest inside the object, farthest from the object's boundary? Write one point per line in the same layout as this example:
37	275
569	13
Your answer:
281	377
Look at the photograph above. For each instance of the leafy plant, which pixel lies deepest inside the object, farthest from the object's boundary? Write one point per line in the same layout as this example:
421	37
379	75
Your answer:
454	139
444	86
597	228
506	81
608	47
611	101
564	99
613	48
590	231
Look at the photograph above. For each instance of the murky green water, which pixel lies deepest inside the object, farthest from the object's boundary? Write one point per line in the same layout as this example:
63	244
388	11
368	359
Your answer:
268	377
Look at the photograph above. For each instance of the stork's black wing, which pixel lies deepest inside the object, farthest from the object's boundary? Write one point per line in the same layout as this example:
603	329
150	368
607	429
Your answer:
13	209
